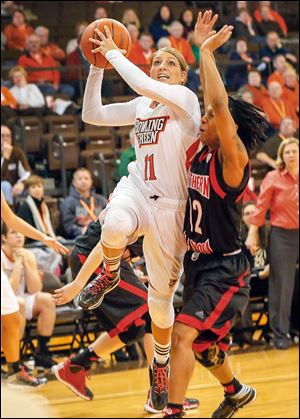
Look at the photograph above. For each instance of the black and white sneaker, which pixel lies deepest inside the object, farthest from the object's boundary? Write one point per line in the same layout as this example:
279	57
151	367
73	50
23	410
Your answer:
93	294
231	404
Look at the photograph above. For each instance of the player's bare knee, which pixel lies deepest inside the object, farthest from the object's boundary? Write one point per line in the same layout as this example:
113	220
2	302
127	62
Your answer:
211	358
181	337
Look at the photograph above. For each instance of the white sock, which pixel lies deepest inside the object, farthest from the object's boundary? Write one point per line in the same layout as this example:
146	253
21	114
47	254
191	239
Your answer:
161	352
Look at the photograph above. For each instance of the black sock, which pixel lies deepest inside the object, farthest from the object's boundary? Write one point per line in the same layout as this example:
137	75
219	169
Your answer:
233	387
13	367
43	344
85	358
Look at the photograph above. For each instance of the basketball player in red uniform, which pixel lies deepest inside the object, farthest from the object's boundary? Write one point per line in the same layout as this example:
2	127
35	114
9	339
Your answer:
217	272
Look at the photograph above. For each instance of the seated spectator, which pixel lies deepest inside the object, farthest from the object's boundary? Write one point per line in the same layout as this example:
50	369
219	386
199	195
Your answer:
268	152
188	22
77	75
246	95
243	26
8	104
272	14
267	23
272	48
14	166
20	266
130	17
159	27
82	205
17	32
163	42
134	34
73	43
30	100
255	86
181	44
276	107
100	13
142	52
291	87
127	156
279	193
47	80
280	64
35	212
49	48
236	74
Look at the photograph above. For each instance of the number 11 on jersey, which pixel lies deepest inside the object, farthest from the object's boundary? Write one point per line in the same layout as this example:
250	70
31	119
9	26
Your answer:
149	167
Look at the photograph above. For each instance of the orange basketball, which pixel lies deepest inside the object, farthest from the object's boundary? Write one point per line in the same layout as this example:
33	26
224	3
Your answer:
119	34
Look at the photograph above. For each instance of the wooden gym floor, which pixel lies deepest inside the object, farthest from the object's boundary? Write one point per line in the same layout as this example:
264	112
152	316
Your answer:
122	394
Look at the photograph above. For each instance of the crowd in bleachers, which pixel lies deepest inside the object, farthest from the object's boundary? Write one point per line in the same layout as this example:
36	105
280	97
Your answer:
57	172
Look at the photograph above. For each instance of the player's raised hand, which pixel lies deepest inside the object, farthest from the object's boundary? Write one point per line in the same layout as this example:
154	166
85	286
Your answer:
66	294
106	43
218	39
204	27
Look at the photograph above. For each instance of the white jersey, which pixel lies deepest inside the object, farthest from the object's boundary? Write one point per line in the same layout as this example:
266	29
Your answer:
166	119
8	267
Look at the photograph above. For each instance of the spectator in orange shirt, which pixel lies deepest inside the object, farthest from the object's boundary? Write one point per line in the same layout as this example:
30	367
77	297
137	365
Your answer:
280	64
49	48
47	80
181	44
141	54
267	23
17	32
8	104
276	107
291	87
275	16
255	86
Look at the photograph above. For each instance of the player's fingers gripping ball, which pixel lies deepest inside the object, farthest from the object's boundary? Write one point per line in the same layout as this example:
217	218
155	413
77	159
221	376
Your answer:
101	36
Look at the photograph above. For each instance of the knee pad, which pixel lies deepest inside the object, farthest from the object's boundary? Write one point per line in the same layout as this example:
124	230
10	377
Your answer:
212	358
133	333
119	224
161	310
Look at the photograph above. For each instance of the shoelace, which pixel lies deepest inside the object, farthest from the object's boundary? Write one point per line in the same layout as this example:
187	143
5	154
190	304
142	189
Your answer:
101	282
160	379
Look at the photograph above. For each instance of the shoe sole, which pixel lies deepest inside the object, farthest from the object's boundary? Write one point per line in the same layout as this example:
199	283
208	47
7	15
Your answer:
102	298
25	387
55	371
247	401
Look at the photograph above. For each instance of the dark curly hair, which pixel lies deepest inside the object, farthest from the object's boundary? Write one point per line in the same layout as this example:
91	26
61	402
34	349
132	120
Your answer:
252	126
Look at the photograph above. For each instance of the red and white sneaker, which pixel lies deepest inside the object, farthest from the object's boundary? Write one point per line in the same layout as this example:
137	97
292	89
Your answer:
187	405
74	377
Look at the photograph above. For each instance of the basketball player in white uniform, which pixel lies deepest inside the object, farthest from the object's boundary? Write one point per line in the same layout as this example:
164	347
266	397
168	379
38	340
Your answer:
151	201
11	318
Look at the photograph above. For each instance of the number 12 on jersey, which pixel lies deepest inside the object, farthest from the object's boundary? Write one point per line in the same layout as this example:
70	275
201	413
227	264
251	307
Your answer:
195	206
149	167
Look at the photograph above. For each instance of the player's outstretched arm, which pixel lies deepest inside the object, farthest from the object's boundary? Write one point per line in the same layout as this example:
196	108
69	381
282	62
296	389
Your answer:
233	153
177	97
203	31
16	223
68	292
